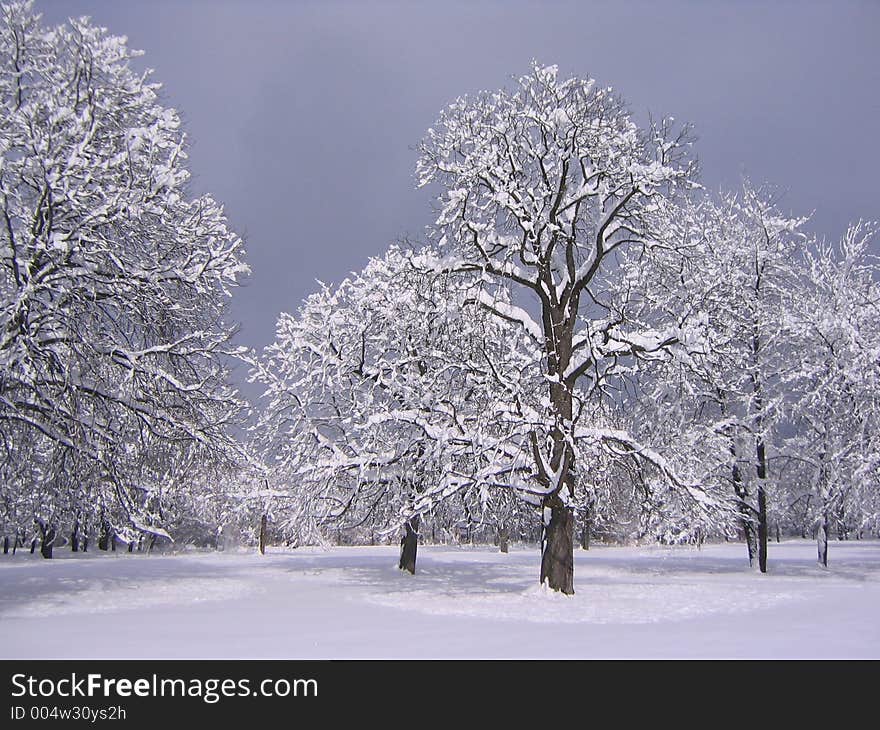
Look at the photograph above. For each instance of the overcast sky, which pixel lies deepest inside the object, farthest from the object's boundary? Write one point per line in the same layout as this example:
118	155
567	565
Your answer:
303	116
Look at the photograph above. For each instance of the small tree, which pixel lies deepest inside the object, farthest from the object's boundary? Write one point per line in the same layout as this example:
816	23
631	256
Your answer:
378	391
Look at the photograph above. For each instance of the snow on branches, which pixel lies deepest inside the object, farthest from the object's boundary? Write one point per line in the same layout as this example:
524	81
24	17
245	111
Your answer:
542	187
385	394
113	278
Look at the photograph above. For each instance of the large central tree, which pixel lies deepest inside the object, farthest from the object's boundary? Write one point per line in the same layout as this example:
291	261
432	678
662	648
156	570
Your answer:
542	185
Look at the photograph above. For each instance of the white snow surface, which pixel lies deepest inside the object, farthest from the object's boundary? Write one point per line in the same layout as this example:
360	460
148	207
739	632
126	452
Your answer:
463	602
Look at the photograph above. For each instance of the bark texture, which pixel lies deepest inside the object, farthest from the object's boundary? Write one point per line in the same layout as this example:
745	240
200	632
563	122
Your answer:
409	544
557	559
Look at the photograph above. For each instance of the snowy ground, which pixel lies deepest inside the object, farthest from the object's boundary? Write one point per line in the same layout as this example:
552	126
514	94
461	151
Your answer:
463	602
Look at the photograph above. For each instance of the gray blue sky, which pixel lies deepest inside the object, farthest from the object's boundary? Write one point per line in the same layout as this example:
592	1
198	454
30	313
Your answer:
303	116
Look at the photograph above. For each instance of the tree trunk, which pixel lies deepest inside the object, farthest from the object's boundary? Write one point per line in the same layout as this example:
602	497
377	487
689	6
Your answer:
805	522
47	543
33	545
47	538
557	555
751	537
263	520
842	529
105	537
762	529
762	506
557	559
760	447
822	540
6	546
504	539
745	514
409	545
74	537
85	544
778	539
586	529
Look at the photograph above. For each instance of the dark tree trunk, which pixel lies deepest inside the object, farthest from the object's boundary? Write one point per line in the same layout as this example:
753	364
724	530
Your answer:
745	513
47	543
822	540
762	505
586	529
33	545
751	536
557	559
409	544
85	544
778	537
105	537
47	538
762	529
74	537
557	519
6	546
842	529
263	520
760	449
504	539
805	528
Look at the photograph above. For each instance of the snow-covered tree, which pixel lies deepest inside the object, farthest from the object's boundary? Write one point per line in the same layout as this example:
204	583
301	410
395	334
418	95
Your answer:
113	278
835	317
385	393
755	249
731	293
542	187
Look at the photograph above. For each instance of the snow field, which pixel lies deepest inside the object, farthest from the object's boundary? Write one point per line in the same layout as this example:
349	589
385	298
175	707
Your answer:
463	602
